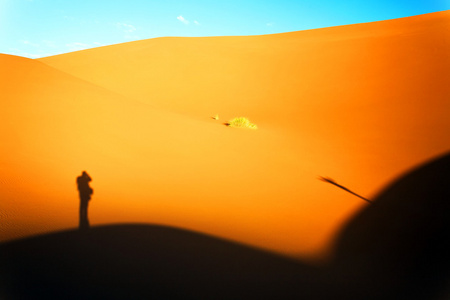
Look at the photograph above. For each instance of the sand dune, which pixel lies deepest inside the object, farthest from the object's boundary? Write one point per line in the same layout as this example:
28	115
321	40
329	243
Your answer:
359	103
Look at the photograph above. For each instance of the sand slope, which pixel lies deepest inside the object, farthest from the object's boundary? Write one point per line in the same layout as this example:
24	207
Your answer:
359	103
51	124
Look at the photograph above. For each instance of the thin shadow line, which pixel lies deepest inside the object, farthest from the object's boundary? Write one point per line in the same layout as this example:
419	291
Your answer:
329	180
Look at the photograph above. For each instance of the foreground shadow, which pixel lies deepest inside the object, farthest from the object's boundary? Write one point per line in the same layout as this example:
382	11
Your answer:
146	262
395	248
400	244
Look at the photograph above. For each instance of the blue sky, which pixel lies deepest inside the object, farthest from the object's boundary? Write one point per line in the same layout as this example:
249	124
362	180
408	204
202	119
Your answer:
38	28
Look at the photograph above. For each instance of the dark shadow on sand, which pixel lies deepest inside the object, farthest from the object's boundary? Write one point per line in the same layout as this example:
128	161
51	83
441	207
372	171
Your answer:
146	262
401	242
395	248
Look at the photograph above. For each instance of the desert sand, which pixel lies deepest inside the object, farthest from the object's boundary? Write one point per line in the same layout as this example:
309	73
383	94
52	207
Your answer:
361	104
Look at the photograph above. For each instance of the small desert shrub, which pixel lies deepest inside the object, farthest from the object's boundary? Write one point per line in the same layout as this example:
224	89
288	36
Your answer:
216	117
241	122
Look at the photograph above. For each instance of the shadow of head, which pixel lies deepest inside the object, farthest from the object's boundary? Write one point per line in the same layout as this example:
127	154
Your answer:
400	243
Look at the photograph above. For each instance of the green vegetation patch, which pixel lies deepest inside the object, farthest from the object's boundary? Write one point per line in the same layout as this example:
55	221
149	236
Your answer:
242	122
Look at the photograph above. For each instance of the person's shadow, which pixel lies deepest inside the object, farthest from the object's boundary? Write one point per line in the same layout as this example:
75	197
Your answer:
85	192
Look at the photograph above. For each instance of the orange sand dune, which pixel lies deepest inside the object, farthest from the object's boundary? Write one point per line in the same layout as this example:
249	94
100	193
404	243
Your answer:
359	103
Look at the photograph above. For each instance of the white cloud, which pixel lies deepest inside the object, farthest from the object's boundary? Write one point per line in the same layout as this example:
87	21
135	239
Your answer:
77	46
25	42
196	23
47	48
126	27
128	30
182	19
271	24
18	52
49	44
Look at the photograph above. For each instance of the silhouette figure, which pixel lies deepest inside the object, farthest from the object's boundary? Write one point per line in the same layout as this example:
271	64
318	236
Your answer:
85	195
